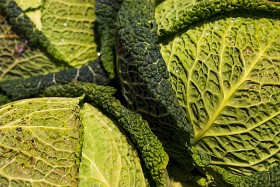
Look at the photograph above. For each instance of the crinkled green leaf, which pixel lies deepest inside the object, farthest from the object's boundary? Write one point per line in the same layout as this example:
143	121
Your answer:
225	72
17	59
143	78
169	11
35	86
106	13
150	148
68	25
173	16
39	139
108	157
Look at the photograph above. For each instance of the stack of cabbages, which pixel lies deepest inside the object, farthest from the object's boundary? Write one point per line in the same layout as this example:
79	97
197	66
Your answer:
140	93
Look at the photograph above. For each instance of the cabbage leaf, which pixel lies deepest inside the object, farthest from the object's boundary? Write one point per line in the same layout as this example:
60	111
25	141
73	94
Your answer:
225	71
39	139
150	148
18	59
68	24
64	28
108	158
55	142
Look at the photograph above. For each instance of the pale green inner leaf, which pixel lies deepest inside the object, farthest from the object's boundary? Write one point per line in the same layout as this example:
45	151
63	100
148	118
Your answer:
38	142
108	157
226	75
32	8
29	4
69	25
17	59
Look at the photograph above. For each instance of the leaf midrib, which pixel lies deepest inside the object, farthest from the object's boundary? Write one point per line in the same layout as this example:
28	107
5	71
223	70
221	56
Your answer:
227	97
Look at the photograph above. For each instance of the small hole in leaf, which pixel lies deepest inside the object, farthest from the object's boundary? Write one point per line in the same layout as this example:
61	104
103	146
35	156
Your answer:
151	25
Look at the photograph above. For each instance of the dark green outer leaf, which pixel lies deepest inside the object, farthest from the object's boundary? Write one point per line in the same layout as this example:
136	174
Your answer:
34	86
269	178
106	15
144	78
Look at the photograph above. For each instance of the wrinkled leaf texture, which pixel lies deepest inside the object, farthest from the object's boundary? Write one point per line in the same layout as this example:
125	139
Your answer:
43	142
68	24
108	157
64	28
39	139
17	59
225	71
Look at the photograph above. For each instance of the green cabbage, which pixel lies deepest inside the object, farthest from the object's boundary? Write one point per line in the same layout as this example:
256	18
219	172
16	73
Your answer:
203	73
225	72
57	142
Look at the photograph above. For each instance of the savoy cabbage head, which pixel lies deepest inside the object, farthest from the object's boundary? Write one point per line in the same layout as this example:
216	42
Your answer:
45	144
203	73
225	71
222	59
58	141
